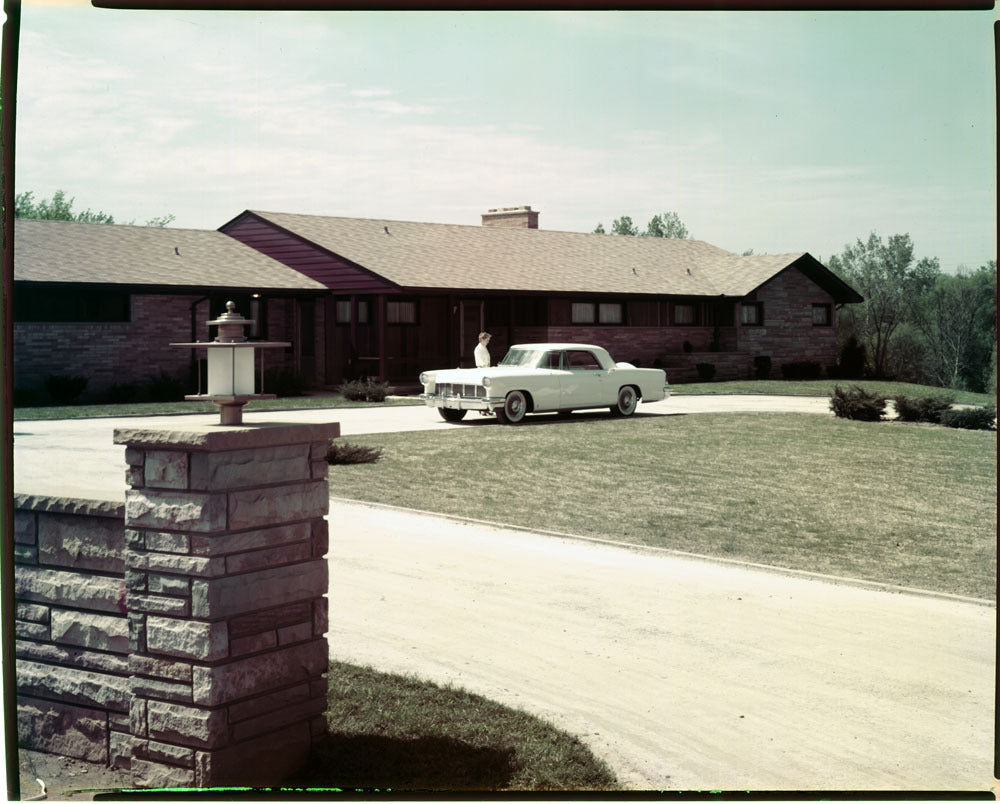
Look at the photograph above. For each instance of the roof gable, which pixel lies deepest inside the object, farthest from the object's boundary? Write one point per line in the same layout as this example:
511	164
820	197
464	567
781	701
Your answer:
100	253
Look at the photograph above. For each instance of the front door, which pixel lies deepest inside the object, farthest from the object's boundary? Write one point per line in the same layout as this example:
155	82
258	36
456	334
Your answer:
470	324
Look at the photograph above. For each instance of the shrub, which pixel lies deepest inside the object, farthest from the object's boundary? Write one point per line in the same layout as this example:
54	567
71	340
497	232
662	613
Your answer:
343	453
971	418
857	403
26	398
706	371
367	390
803	370
922	409
121	393
163	388
852	359
762	367
284	382
64	390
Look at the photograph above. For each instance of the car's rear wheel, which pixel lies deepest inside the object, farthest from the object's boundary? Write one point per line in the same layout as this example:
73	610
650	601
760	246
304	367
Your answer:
515	408
452	415
627	401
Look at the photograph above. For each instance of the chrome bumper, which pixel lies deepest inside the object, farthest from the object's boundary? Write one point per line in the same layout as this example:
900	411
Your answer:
462	402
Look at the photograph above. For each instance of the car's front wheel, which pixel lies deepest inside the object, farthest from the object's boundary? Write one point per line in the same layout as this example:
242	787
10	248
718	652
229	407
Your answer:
627	401
452	415
515	408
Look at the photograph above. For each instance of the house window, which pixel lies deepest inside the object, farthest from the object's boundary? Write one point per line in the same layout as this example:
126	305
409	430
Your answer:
70	306
400	312
822	315
684	314
583	313
609	313
343	311
752	314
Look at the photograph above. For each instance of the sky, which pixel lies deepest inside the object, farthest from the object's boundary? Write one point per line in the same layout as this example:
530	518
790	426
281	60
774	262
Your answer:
772	131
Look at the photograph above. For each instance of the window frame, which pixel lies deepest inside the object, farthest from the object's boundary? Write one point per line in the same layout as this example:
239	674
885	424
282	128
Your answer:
827	310
390	303
675	306
597	310
758	308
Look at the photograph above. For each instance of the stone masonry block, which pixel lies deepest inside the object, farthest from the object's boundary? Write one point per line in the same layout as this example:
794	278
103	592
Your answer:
159	604
41	585
61	728
318	450
267	703
94	543
196	512
137	632
265	506
32	613
97	631
135	477
236	594
25	554
170	754
143	687
190	639
166	469
32	630
225	543
165	542
136	580
147	774
135	539
253	643
187	725
177	564
120	747
321	616
321	537
259	674
72	657
159	668
169	585
72	685
320	470
137	715
257	559
134	457
295	633
250	467
24	527
270	619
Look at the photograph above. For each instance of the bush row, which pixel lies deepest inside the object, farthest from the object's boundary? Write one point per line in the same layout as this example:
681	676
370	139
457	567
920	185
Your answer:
366	390
859	404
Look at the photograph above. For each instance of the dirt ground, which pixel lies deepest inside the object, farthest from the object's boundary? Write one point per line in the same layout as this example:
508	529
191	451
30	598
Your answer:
65	779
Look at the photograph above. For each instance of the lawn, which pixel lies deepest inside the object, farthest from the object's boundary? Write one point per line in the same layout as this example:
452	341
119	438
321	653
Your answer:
906	504
397	733
886	388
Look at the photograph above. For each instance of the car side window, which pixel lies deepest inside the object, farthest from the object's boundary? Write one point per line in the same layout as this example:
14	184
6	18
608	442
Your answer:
582	361
552	360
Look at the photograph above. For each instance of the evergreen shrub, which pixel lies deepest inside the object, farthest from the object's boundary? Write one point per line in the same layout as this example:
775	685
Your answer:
971	418
923	408
857	403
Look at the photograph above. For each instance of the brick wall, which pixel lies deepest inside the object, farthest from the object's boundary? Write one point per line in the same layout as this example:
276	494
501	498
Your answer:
130	352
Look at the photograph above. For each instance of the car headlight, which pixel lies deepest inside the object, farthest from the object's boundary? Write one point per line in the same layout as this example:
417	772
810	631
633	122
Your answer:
487	382
424	378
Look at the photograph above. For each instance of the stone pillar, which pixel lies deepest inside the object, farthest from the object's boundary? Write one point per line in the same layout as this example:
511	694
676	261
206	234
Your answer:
226	576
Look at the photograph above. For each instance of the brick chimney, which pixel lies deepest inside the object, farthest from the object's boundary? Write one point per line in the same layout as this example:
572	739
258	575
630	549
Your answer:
511	218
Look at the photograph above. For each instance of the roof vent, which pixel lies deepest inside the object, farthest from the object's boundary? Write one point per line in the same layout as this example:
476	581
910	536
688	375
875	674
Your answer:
511	218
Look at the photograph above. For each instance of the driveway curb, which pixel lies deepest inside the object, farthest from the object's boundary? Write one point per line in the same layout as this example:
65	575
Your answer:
642	548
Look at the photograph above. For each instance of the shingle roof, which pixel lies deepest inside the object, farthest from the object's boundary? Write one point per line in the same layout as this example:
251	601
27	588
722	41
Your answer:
434	255
68	251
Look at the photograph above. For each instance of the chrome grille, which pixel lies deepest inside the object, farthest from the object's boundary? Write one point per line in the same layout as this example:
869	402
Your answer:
459	389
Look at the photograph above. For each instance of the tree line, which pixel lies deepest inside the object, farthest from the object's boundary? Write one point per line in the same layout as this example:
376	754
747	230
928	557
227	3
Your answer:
58	208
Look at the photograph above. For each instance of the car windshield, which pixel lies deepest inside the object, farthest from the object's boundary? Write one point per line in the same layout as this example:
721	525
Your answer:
520	357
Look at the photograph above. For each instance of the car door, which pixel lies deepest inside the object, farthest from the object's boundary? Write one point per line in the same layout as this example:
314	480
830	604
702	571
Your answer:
547	385
584	381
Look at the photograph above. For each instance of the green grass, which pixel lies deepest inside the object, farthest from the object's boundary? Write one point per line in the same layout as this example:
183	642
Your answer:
160	408
395	733
825	388
906	504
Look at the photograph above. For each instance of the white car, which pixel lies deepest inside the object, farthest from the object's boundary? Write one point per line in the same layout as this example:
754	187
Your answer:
544	377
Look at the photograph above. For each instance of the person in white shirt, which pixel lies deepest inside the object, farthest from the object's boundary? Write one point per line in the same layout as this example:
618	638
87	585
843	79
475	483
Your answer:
482	354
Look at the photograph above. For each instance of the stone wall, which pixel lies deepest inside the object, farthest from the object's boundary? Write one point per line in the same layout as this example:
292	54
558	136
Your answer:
71	628
182	635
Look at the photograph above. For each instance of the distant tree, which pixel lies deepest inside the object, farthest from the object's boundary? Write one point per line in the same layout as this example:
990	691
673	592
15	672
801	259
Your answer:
624	226
666	225
885	274
747	253
59	209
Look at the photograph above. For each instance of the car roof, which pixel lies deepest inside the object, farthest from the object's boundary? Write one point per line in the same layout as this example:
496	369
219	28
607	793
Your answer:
557	346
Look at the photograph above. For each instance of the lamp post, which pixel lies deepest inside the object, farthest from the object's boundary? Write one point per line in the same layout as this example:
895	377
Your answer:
231	366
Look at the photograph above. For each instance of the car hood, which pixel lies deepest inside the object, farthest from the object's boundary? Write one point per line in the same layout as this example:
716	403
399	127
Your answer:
475	376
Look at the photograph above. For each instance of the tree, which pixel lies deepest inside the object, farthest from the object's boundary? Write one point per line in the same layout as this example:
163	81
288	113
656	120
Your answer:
957	317
59	209
666	225
885	274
